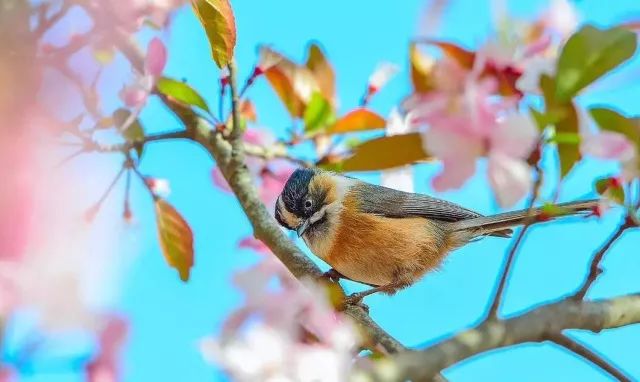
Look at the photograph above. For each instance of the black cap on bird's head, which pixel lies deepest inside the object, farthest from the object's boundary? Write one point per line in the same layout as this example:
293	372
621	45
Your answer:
299	201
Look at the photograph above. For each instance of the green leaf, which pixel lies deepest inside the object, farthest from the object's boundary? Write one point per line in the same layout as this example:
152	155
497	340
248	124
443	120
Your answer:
565	138
216	16
611	120
134	133
181	92
611	189
588	55
318	113
385	153
564	117
176	238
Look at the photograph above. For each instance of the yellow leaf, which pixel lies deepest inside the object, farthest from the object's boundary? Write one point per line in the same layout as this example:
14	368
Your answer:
357	120
386	152
323	73
176	238
294	84
463	56
216	16
421	70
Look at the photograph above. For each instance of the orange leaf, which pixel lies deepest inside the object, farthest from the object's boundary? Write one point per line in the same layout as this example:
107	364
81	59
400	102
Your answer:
216	16
421	70
176	238
322	71
357	120
248	110
464	57
386	152
294	84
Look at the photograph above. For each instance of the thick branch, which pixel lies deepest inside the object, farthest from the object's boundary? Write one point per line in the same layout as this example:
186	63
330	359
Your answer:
591	356
537	325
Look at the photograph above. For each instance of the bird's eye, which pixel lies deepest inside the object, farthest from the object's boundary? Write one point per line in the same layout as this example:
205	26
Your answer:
308	203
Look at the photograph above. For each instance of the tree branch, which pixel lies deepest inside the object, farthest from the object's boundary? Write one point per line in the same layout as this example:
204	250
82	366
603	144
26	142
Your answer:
589	355
594	269
537	325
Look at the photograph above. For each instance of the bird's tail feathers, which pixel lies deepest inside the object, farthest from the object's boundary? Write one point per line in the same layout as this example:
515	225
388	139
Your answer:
500	224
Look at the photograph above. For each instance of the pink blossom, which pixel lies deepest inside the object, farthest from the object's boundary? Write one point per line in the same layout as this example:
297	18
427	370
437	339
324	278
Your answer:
608	145
7	375
509	177
156	58
251	242
105	366
265	339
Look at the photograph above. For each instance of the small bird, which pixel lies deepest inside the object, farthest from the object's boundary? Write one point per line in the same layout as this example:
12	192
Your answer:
382	237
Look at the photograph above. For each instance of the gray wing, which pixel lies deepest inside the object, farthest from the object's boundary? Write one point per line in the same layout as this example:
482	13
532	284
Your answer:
398	204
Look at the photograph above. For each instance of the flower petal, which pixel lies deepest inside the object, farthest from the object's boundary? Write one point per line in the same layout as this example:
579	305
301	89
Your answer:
608	145
510	178
516	136
156	58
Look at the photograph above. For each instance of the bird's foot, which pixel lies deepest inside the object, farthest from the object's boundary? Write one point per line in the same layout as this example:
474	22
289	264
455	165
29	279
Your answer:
332	275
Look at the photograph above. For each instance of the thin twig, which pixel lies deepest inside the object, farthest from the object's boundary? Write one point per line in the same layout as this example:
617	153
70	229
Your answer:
504	274
590	355
594	269
506	268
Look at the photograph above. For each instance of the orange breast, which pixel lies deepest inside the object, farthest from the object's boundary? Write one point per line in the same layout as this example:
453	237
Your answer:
376	249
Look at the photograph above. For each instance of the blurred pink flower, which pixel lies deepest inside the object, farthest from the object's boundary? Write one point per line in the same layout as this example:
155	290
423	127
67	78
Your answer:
251	242
561	18
607	145
105	367
265	338
135	95
156	58
7	375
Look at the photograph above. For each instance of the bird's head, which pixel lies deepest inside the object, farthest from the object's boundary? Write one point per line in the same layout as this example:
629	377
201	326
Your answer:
302	204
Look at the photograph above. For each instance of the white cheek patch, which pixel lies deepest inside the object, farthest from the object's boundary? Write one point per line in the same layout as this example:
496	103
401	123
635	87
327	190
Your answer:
318	215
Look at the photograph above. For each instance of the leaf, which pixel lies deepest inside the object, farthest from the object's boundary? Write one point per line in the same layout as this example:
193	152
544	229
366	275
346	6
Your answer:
564	117
549	118
216	16
568	153
134	133
463	56
294	84
176	238
611	120
181	92
318	113
588	55
421	70
359	119
610	188
385	153
248	111
323	72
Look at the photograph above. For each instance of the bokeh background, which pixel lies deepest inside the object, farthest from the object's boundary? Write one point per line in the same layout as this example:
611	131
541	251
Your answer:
168	317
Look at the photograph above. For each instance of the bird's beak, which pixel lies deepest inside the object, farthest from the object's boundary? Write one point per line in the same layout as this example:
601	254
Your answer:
302	227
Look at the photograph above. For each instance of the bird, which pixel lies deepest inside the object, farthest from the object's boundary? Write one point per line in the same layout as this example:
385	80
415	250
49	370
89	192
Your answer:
386	238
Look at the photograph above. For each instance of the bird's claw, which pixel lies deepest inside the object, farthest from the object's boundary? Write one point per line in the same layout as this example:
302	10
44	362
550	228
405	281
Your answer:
332	275
355	299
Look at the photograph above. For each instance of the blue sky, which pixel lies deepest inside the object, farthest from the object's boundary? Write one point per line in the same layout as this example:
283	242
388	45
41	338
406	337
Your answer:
169	317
